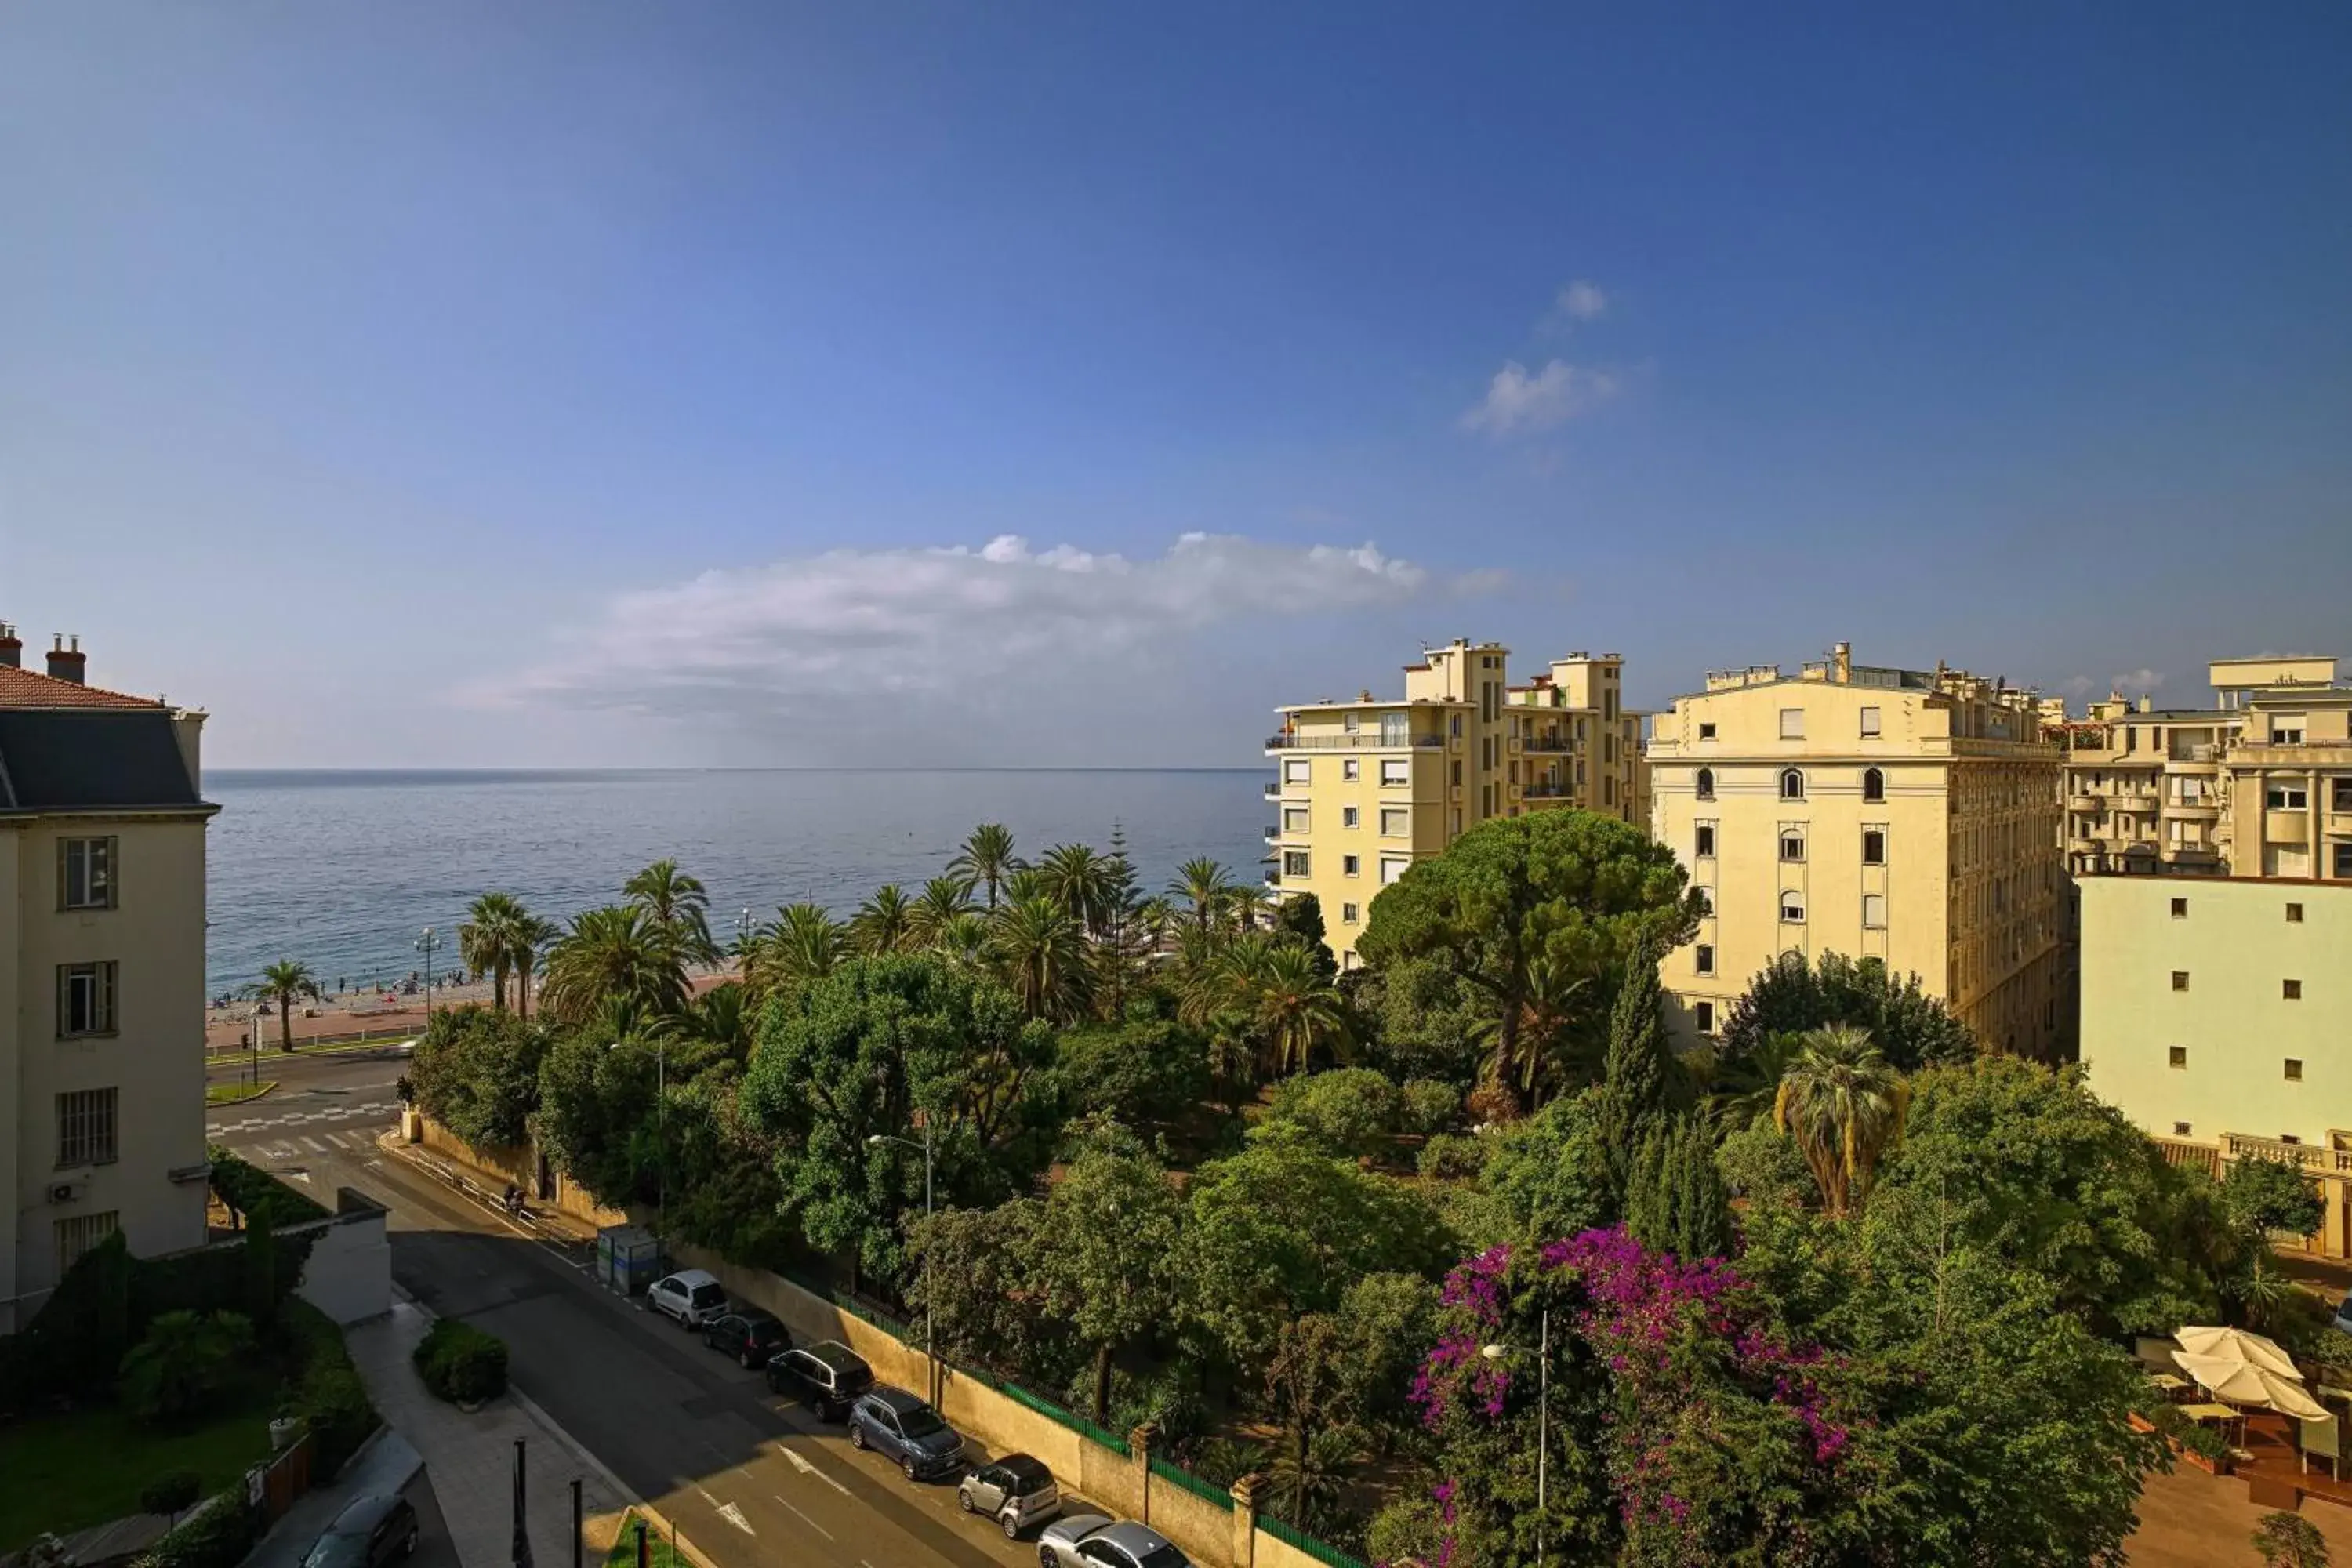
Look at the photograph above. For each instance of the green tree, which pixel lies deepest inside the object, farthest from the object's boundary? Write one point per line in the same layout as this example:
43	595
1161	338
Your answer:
1297	1010
1842	1104
2290	1540
797	948
1136	1071
883	923
187	1360
284	983
971	1282
1385	1321
1566	894
986	860
486	940
942	901
532	935
1676	1202
1345	1113
476	1071
1042	950
2266	1195
677	908
615	951
1299	919
1641	1085
1080	880
1204	886
1789	996
1546	1176
1107	1255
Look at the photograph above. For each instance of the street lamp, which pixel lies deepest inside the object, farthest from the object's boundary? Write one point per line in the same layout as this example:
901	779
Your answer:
1543	1418
743	923
931	1340
253	1057
428	944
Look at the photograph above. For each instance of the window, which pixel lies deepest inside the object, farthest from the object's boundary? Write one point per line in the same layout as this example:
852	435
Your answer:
1294	771
1350	817
2286	797
2344	859
2289	990
2180	1130
2340	794
86	1128
1350	769
1793	908
85	999
1457	773
1350	913
86	873
1792	784
1293	819
2295	1070
1456	726
1873	847
2180	908
1792	847
79	1234
1396	770
1874	784
1392	867
1396	822
1396	729
1350	866
1352	722
2286	730
1608	790
1792	723
2295	914
1295	862
1703	958
1706	783
2180	980
2178	1055
2289	1137
1706	731
1703	841
1870	723
1873	912
1703	1013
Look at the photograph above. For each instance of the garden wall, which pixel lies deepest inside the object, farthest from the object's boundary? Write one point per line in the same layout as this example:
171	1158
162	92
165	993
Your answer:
517	1164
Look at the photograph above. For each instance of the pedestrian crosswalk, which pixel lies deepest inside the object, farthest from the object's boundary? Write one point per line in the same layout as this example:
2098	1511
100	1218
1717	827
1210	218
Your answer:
369	1109
353	1141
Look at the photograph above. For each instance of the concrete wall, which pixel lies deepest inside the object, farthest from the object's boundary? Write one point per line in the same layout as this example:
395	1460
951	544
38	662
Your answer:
348	1275
519	1165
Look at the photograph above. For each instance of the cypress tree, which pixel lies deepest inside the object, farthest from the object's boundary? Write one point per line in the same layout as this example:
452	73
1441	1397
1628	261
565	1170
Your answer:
1641	1083
1702	1223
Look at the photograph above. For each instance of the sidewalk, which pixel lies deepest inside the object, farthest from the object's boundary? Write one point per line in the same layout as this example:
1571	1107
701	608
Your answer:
470	1458
387	1464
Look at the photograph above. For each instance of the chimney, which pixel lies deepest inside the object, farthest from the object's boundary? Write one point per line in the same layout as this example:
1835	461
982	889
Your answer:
1842	656
66	663
12	647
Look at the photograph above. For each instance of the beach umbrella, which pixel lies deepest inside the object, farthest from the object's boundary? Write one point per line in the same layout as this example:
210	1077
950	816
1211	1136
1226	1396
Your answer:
2243	1383
2237	1344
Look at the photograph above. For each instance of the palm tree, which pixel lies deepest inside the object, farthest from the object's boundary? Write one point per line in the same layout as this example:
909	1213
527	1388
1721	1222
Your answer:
1026	882
616	951
1044	954
1739	1091
883	923
722	1016
800	945
1844	1105
1205	885
533	935
284	982
486	940
1518	1055
1080	880
677	907
1295	1009
965	938
986	860
941	900
1155	917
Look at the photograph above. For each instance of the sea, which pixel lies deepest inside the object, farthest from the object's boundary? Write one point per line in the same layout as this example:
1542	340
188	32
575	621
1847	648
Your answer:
345	870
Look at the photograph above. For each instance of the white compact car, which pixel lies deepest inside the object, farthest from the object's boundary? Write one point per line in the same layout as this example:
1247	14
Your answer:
692	1296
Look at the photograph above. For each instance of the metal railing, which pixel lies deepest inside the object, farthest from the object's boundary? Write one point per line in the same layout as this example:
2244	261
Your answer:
1192	1483
1290	1534
1366	741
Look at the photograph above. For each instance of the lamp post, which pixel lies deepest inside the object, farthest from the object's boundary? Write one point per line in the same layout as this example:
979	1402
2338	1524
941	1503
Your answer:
1543	1418
931	1340
253	1057
428	944
743	924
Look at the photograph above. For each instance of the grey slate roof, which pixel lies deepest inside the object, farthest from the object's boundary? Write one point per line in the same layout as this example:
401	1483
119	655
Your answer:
74	759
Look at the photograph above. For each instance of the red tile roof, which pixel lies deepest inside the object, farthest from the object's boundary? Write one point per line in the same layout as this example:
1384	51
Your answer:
28	689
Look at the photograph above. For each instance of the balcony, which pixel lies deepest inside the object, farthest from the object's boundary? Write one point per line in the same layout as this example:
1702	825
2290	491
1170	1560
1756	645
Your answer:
1362	741
1551	741
2248	1145
1274	789
1549	792
1273	832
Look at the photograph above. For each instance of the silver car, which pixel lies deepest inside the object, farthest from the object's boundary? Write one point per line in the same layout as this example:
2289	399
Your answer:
1093	1540
1015	1491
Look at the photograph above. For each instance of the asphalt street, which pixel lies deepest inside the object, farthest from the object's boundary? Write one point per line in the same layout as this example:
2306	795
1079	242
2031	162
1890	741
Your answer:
750	1477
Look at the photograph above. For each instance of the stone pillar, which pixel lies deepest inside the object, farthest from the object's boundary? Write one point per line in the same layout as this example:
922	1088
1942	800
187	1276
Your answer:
1139	1454
1245	1521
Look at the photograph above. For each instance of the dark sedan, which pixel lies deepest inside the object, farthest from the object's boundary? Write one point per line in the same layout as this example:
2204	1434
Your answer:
751	1336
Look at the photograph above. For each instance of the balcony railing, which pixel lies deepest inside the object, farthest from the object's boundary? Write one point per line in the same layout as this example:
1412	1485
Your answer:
2311	1156
1366	741
1274	789
1551	743
1547	792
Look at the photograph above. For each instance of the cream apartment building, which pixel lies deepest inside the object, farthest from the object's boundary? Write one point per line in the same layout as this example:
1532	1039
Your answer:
101	973
1364	788
2215	974
1901	814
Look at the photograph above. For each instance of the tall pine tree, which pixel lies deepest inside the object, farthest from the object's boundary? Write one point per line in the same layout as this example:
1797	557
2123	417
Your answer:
1641	1083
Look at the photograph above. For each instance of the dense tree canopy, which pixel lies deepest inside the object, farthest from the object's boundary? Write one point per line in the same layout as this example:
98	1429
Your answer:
476	1071
1789	996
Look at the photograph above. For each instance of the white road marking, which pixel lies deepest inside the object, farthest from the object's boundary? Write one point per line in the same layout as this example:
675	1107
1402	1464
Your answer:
804	1518
314	1145
734	1516
804	1468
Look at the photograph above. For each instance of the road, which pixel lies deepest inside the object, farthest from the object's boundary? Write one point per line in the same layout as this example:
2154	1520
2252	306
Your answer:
751	1478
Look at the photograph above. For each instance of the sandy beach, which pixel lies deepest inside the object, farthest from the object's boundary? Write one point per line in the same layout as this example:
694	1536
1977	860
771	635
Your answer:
362	1014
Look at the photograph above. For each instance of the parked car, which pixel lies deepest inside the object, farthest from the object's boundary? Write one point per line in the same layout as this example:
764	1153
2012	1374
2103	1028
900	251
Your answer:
898	1426
692	1296
748	1334
370	1532
1015	1491
830	1376
2343	1314
1092	1540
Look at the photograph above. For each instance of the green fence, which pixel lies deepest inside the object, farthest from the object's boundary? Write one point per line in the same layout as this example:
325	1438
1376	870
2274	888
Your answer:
1192	1483
1307	1543
1076	1423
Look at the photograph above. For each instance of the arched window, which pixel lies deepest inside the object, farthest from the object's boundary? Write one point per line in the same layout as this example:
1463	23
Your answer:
1706	783
1874	784
1792	784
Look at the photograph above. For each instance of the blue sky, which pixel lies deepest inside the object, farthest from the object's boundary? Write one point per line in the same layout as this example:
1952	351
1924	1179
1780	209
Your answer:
444	383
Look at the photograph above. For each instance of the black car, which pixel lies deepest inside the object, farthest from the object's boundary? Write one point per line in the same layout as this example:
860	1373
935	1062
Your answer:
830	1376
749	1334
368	1533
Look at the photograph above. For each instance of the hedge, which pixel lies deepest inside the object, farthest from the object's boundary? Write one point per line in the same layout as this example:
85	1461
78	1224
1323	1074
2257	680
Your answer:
218	1537
248	1189
460	1362
328	1395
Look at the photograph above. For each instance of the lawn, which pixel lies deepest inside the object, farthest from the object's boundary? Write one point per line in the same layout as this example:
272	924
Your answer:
68	1472
233	1093
658	1553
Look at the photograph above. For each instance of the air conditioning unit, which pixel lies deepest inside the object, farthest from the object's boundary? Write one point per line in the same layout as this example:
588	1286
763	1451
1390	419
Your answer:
64	1191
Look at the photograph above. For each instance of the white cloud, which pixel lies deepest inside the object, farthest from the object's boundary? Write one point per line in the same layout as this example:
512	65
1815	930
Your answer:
872	640
1517	402
1581	302
2140	680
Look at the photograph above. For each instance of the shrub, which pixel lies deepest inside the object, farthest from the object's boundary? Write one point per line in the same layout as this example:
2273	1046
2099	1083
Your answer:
219	1537
248	1190
2289	1540
1345	1112
1428	1107
328	1397
460	1362
184	1363
171	1492
75	1345
1452	1157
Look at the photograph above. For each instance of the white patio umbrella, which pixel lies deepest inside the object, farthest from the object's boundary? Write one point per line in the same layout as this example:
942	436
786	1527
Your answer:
2243	1383
2237	1344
